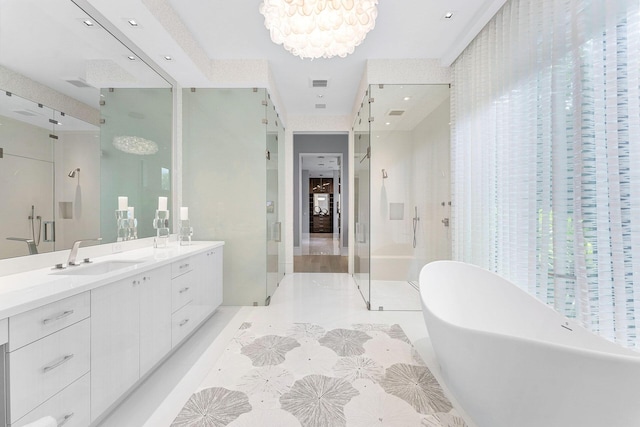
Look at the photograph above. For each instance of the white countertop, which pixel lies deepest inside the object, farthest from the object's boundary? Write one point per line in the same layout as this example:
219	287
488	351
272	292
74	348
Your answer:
24	291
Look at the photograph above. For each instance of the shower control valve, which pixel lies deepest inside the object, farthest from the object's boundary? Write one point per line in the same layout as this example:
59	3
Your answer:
445	221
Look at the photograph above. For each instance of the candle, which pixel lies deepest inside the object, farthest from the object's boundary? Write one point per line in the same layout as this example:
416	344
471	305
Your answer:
184	213
162	203
123	203
130	212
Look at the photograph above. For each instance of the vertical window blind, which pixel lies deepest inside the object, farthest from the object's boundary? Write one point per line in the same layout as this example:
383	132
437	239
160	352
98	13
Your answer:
546	157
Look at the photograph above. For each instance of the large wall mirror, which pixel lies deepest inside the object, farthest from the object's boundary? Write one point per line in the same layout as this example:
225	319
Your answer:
83	120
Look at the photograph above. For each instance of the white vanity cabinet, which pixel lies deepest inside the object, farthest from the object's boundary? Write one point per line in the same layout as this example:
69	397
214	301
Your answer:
48	363
196	291
130	333
77	357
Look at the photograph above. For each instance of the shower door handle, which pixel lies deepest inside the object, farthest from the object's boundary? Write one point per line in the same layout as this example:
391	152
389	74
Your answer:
277	231
49	231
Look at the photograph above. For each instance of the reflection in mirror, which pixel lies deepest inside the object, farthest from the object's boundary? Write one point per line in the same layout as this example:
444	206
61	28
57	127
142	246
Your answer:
50	129
136	155
26	175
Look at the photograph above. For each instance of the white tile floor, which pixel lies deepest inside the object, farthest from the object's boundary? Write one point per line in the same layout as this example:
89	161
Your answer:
394	295
326	299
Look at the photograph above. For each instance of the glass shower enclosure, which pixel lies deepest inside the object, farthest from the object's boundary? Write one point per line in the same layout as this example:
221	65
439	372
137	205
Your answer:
232	141
402	191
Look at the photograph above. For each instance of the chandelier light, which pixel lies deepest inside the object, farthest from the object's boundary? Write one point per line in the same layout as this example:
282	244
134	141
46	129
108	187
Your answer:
319	28
135	145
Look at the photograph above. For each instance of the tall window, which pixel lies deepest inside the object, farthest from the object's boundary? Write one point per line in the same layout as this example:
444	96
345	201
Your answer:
546	157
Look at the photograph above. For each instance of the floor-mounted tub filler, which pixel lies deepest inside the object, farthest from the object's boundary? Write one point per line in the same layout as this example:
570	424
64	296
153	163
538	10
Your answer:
512	361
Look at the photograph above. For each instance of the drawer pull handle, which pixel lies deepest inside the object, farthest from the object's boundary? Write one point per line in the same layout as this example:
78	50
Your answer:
59	317
184	322
184	266
183	290
65	419
64	360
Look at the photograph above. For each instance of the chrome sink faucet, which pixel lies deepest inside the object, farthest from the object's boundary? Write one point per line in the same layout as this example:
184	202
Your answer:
74	250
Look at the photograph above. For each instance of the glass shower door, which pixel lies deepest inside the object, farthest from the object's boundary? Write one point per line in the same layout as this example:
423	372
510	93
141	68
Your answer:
362	200
409	189
274	224
223	183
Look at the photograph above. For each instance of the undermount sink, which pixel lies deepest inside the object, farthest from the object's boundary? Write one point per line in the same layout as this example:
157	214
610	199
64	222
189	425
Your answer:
98	268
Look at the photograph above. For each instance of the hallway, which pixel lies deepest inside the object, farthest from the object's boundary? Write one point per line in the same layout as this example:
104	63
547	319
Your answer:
320	254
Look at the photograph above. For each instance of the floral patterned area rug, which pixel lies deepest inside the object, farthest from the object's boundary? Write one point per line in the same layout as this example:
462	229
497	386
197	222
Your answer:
304	375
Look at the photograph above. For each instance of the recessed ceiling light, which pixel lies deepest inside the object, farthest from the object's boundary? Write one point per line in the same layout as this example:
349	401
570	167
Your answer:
388	123
88	23
406	98
448	15
133	22
168	58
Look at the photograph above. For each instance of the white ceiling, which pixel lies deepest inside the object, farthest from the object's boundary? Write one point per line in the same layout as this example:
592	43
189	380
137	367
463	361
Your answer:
45	41
321	165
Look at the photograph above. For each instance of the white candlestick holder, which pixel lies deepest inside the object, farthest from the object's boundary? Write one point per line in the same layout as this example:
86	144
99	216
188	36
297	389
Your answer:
186	231
127	227
161	224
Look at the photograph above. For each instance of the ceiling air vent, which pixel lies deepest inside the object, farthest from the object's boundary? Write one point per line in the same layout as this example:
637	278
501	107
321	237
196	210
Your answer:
395	112
321	105
26	113
319	83
78	83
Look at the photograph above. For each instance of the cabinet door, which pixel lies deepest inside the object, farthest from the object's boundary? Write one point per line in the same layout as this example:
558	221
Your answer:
155	317
115	342
210	269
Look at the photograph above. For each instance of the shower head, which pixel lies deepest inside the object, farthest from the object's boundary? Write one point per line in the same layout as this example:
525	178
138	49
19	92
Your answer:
72	174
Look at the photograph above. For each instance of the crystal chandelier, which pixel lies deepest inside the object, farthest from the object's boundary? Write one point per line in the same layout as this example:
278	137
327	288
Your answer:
135	145
319	28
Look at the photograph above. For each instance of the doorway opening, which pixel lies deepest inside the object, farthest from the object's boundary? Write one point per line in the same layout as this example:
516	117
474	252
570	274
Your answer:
320	218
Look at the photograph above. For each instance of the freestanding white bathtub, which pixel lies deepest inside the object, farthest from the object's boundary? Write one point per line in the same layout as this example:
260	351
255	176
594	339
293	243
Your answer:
512	361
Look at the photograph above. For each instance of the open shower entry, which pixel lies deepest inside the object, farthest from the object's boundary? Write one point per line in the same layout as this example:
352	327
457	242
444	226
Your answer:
402	199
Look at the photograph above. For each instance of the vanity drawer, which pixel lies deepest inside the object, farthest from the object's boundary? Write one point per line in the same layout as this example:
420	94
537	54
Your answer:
70	407
32	325
183	322
183	290
180	267
41	369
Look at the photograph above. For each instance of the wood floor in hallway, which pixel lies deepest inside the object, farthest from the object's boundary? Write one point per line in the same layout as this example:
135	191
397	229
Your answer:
320	254
320	264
